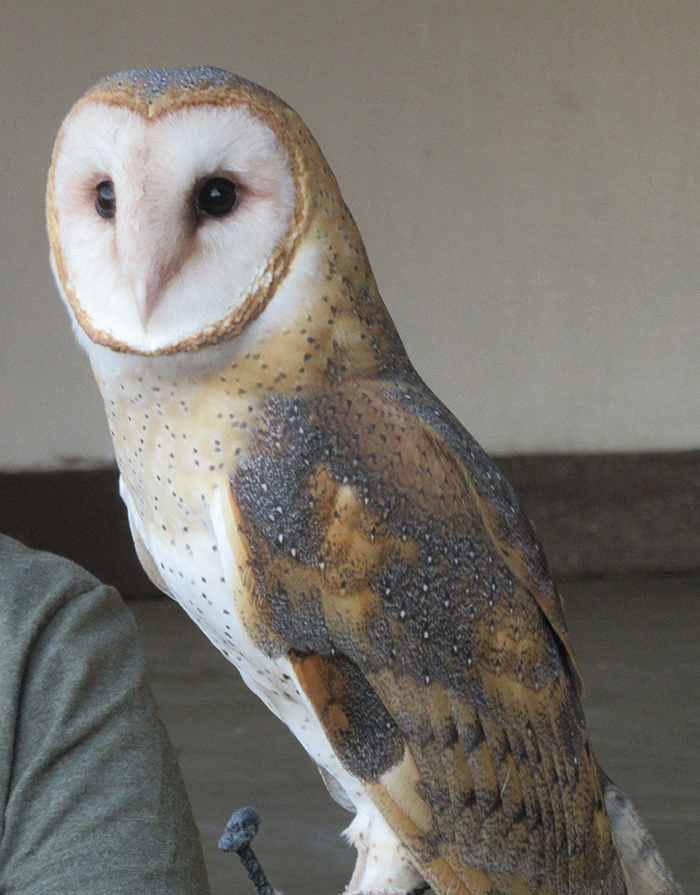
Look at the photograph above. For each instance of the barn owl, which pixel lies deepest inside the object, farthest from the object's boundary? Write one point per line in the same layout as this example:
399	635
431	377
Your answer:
331	527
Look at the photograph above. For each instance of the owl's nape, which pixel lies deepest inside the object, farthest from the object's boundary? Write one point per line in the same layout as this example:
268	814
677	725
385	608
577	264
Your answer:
331	527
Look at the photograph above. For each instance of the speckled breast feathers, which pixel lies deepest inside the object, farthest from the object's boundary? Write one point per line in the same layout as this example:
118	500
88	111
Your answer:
290	477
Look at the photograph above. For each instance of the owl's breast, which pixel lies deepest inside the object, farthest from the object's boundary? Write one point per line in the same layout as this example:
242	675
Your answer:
177	454
211	590
177	442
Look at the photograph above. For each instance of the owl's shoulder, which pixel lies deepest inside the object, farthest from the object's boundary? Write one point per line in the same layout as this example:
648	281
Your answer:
372	481
402	454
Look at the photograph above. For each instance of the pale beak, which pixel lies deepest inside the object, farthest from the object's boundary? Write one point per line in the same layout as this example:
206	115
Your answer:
147	291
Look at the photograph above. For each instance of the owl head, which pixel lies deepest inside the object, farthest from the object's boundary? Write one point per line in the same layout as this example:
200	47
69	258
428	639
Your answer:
180	203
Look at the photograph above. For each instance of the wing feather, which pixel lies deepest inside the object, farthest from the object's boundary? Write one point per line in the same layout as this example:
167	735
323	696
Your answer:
401	576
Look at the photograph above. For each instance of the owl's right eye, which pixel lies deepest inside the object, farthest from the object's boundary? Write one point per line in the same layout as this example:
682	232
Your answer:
106	199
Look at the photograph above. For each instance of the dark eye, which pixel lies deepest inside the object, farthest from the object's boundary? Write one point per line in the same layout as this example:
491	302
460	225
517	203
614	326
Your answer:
106	199
217	197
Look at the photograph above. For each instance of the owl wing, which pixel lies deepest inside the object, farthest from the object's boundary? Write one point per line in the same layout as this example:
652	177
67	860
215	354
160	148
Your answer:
388	559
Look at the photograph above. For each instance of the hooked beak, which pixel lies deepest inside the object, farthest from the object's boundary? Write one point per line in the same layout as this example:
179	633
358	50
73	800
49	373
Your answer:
147	291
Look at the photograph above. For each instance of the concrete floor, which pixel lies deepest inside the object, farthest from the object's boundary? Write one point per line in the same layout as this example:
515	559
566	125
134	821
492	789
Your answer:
638	643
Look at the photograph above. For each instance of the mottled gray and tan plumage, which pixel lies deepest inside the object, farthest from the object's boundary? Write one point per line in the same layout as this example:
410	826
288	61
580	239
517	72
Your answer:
293	483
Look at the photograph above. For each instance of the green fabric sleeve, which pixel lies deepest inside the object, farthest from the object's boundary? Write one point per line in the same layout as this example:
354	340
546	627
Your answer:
91	797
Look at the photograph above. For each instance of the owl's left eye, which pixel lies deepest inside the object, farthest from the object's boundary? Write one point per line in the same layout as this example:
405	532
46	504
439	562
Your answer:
217	197
106	199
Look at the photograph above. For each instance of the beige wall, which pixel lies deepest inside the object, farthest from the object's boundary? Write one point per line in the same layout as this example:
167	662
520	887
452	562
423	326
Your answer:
526	176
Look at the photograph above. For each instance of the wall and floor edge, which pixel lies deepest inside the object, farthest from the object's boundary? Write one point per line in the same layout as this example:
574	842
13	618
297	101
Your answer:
596	514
